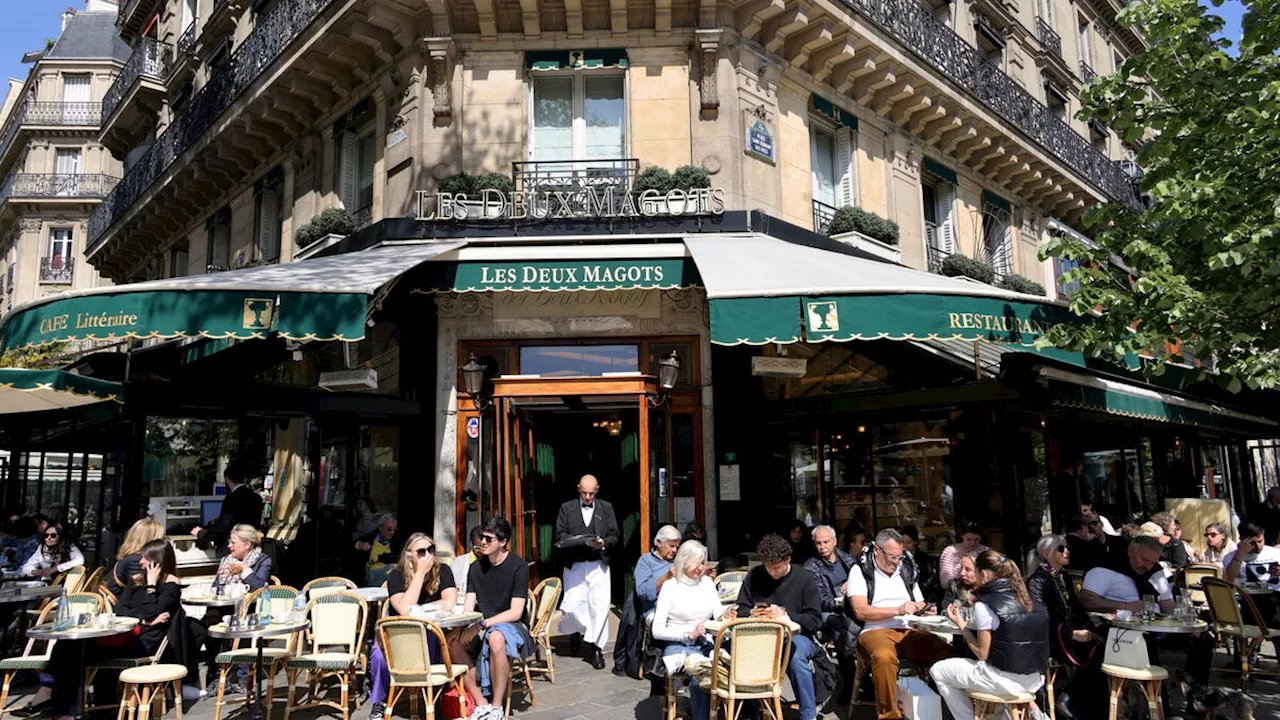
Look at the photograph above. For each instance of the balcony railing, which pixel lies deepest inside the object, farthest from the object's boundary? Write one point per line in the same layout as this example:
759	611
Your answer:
66	114
1086	73
56	269
936	254
822	216
911	24
8	285
48	185
1051	40
187	39
272	34
363	217
576	176
151	59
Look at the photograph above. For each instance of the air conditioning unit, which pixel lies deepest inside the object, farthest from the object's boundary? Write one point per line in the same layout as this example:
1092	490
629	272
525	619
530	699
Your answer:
366	379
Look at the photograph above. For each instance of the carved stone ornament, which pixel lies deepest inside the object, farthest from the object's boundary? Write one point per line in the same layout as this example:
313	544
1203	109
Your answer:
440	50
708	47
31	224
457	306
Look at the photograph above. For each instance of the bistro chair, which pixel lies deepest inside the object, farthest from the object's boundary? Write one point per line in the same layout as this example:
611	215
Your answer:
28	660
986	705
75	579
144	688
1225	603
546	598
331	647
404	643
68	580
91	585
278	600
120	664
320	587
108	597
1193	574
275	580
759	651
728	584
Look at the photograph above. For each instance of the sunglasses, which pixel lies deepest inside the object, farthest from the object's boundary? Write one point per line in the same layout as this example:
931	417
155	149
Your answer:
1212	534
52	534
485	539
422	552
1062	548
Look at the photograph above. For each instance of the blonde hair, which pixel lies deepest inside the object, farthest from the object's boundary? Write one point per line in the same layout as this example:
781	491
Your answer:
247	533
142	532
691	552
409	560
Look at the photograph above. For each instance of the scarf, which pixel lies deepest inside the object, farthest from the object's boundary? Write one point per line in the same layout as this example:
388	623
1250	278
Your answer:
225	576
1060	584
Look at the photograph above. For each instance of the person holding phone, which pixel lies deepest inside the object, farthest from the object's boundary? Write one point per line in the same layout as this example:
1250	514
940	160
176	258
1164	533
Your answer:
882	588
1256	561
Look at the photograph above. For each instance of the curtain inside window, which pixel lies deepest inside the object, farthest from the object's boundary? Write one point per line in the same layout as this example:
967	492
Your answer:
822	150
552	119
603	109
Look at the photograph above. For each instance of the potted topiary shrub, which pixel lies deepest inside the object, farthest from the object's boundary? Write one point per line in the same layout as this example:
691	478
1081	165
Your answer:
1017	283
325	229
866	231
692	177
957	265
657	179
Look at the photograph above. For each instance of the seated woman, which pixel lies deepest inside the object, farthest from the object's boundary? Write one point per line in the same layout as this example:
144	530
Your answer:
153	597
247	564
682	611
1008	635
960	595
418	579
55	554
1220	544
129	556
1071	642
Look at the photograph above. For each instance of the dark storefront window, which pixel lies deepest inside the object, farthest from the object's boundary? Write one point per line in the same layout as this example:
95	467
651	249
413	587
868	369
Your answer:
185	456
578	360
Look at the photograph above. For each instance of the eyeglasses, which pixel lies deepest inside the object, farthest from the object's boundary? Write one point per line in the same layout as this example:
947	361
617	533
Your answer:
1062	548
1212	534
51	534
422	552
889	555
486	539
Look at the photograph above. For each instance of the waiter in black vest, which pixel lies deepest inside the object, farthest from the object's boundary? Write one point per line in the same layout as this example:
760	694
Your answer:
586	530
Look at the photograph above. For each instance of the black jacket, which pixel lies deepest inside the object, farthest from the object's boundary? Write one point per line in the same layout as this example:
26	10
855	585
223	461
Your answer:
242	507
146	603
1086	554
1021	643
603	523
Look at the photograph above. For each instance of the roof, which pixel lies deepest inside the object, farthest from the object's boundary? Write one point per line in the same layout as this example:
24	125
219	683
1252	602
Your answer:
90	36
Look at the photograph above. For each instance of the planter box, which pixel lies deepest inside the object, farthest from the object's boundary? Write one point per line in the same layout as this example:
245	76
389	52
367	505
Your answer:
476	210
700	205
886	251
319	244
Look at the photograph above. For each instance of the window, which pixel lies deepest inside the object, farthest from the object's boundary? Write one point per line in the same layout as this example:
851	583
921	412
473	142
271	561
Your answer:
355	153
1061	266
179	261
67	171
219	248
578	116
1086	42
996	242
75	97
1044	8
578	361
831	164
939	199
190	11
60	245
1056	99
991	40
268	210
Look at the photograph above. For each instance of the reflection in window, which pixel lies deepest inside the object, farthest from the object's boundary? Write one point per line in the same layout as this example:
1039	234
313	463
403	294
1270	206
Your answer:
184	456
579	361
830	368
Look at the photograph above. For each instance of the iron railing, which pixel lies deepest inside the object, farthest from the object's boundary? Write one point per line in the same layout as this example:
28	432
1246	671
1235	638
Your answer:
822	216
151	58
273	32
363	217
66	114
187	39
936	255
1051	40
56	269
1086	73
9	276
53	185
575	179
911	24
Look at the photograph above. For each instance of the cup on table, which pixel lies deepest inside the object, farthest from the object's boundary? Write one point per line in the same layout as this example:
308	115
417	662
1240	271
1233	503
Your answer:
104	620
1125	615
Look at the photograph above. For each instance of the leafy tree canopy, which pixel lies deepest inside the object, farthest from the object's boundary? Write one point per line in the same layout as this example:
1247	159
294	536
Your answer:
1198	269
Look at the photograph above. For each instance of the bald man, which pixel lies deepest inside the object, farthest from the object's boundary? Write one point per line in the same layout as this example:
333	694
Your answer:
586	568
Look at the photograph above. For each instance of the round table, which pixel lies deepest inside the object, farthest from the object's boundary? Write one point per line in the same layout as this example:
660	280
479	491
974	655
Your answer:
211	600
14	577
1164	625
255	633
460	620
371	594
89	632
942	624
27	594
1256	589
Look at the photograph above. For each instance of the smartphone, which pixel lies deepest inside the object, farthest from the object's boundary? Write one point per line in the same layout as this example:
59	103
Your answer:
762	606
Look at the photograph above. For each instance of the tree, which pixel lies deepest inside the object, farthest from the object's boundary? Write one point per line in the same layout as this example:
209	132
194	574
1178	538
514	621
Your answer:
1194	273
44	357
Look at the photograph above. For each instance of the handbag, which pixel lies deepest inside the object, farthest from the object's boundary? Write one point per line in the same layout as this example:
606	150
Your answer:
1127	648
917	701
456	705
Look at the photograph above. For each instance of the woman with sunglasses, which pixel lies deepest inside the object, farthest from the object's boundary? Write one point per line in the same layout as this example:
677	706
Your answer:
418	579
1219	544
1070	641
56	554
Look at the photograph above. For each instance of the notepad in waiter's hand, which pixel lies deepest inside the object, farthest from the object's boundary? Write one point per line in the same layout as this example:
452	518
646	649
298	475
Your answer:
574	541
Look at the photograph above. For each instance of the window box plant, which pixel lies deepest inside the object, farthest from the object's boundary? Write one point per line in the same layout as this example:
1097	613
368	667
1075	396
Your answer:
324	229
866	231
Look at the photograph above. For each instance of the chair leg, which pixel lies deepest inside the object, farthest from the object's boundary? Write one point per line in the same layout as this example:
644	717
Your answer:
413	705
777	707
346	710
1246	654
177	700
393	694
222	688
1049	695
120	714
144	702
1154	703
858	669
4	692
430	702
528	684
1117	684
292	675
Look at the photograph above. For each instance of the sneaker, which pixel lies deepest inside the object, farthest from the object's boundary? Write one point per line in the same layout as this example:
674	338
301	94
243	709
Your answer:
191	692
376	712
36	710
496	712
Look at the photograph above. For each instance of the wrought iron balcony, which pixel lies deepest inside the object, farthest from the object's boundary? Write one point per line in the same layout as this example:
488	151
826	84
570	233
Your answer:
575	175
273	32
1086	73
822	216
58	114
151	60
49	185
9	278
56	269
187	39
363	217
1051	40
936	254
911	24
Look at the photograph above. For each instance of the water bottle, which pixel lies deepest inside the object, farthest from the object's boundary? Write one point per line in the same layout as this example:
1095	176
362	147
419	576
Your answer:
299	607
62	621
264	612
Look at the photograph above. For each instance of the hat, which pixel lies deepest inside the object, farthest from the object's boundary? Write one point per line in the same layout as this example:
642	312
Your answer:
1150	529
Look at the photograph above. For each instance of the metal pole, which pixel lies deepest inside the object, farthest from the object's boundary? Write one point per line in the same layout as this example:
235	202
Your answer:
479	462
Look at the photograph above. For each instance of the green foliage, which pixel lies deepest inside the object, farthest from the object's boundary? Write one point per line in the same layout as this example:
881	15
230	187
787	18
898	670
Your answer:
690	177
653	178
958	265
1201	263
334	221
496	181
460	184
44	357
1017	283
855	219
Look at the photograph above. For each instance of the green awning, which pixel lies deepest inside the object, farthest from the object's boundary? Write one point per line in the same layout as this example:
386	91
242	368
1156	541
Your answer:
575	59
38	390
1089	392
833	112
566	275
991	198
318	299
940	171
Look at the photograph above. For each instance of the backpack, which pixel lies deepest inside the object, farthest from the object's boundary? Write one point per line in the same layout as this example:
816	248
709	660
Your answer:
825	675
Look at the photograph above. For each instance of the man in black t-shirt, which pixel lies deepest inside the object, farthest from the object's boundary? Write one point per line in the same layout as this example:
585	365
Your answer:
497	587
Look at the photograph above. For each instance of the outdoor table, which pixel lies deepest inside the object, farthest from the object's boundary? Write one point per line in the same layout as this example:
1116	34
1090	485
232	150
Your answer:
715	626
450	620
15	577
371	594
27	594
931	623
120	626
255	633
1163	625
1256	589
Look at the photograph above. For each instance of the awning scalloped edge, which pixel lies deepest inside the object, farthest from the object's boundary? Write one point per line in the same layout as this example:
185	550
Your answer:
307	337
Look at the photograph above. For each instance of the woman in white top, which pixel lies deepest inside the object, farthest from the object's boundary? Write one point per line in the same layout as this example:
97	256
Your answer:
56	554
1219	544
683	609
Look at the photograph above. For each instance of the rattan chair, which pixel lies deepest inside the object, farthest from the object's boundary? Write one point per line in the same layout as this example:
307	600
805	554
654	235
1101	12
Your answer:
108	597
332	647
326	586
28	660
274	656
759	651
730	581
91	584
546	598
1192	575
115	663
987	705
69	581
1225	606
404	645
144	688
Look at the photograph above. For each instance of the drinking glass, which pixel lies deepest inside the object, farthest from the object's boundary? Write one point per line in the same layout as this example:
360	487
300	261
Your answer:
1150	607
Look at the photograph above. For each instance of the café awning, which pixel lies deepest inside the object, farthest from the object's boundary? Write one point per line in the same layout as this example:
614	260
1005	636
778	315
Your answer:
36	390
765	290
317	299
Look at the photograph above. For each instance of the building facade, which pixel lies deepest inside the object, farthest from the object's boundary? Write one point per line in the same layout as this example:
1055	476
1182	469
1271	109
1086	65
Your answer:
55	172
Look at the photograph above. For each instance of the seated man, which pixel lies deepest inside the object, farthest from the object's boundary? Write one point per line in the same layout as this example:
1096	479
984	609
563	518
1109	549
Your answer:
778	590
497	587
1255	561
1122	586
1083	535
830	567
654	568
882	587
383	547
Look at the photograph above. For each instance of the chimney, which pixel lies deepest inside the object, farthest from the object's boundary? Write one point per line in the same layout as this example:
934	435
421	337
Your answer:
66	16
